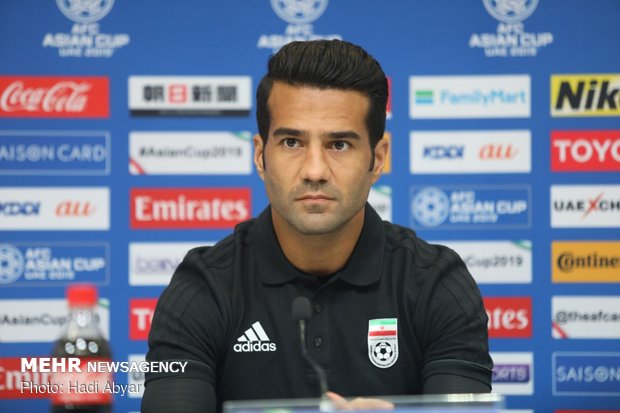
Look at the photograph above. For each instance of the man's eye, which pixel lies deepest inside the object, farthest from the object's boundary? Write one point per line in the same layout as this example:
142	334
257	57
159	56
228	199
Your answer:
290	142
340	145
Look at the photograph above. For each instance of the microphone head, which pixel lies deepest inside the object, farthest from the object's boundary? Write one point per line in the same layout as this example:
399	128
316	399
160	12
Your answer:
301	309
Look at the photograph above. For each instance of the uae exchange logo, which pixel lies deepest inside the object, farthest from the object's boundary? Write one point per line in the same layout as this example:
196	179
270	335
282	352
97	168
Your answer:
11	264
85	11
510	11
299	11
430	207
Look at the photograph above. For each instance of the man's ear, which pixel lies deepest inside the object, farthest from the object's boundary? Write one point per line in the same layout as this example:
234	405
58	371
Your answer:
381	152
259	149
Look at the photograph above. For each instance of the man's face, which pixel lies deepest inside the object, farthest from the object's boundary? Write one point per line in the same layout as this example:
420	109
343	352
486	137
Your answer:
317	157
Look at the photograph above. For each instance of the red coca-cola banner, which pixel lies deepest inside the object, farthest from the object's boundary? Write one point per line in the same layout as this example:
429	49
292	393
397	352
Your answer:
54	97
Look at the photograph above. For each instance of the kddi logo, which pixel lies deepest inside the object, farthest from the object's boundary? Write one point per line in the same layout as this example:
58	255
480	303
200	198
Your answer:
254	339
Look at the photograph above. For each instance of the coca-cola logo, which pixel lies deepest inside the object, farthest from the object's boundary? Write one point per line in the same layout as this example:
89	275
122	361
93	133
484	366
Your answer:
509	316
61	97
54	97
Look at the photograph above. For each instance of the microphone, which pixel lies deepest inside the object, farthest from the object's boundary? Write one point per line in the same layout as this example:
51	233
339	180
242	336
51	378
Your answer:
301	311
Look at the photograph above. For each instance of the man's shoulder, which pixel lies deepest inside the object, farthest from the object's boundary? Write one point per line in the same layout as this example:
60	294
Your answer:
221	254
405	242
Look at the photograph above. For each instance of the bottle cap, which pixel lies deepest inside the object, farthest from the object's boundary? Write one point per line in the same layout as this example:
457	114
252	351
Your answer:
82	295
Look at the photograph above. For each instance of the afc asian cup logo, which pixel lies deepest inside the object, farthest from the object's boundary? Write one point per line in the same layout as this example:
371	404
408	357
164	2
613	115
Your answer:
85	11
430	207
299	11
11	264
510	11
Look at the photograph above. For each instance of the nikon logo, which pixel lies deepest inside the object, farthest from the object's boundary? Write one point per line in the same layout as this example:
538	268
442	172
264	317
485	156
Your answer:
585	95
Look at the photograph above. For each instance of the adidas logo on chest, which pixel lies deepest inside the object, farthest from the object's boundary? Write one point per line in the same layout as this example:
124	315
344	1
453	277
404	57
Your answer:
254	340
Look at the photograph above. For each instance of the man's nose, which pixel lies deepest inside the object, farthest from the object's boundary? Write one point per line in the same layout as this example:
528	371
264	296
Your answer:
315	164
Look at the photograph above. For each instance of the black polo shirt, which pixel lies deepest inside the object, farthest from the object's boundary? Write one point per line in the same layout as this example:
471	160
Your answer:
399	313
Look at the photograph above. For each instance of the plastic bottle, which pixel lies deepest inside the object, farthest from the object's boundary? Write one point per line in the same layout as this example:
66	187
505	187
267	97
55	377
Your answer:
82	392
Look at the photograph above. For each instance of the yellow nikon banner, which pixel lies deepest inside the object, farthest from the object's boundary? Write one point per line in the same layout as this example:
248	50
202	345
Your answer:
590	261
585	95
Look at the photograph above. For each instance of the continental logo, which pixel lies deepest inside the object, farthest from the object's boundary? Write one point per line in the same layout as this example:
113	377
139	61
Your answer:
585	95
575	262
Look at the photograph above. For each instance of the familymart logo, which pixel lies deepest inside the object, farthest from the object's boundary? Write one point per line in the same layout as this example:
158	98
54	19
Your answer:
424	97
471	96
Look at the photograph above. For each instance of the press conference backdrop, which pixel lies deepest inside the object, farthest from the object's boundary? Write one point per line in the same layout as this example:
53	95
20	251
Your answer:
125	140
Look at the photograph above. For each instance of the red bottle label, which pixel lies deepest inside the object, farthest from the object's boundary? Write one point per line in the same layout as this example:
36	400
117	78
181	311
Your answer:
91	385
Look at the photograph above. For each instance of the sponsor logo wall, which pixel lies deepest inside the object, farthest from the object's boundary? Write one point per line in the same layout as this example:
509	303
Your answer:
126	140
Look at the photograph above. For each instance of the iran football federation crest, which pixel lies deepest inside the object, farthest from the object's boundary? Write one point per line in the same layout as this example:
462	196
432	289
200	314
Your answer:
383	342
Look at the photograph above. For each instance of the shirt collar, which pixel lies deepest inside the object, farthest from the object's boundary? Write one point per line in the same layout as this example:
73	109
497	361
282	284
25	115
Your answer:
363	267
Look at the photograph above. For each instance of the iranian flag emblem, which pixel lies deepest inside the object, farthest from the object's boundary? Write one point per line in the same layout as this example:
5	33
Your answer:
383	342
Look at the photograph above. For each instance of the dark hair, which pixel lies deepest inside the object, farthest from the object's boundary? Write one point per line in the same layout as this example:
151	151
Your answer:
326	64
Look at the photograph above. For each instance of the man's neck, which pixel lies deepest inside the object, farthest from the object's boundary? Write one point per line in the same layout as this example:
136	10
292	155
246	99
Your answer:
322	254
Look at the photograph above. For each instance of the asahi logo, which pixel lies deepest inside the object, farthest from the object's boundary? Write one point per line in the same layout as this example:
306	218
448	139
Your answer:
53	97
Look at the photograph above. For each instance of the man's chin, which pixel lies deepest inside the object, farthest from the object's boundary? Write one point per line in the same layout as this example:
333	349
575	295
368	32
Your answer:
316	224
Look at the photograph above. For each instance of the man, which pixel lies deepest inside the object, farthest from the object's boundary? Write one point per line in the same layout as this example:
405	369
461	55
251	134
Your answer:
392	315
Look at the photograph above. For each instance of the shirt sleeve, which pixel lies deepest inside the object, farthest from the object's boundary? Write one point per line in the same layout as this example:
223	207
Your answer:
456	353
187	326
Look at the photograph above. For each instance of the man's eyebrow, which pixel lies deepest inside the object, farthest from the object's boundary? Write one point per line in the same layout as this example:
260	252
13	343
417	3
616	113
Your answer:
287	132
349	134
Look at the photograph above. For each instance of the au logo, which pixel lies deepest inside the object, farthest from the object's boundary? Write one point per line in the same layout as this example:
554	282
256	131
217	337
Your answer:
383	342
510	11
299	11
85	11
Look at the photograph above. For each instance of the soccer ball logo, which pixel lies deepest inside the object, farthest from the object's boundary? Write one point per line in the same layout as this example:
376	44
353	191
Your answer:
383	351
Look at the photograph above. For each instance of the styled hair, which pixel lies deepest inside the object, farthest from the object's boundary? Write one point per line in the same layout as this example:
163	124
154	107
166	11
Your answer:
326	64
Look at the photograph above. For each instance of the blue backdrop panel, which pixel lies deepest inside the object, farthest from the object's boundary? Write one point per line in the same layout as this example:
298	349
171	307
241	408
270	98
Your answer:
84	92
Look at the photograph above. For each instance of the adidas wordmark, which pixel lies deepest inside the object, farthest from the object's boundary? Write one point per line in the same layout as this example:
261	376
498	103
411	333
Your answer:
254	339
